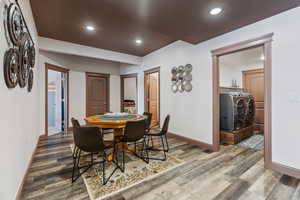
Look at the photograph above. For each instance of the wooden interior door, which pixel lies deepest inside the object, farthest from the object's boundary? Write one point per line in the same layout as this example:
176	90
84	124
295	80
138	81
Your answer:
253	82
152	95
97	94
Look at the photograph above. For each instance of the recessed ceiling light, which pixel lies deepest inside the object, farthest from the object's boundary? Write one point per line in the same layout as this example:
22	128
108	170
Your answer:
90	28
138	41
262	57
215	11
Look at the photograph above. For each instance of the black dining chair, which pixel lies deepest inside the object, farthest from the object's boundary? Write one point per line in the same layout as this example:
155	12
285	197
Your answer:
148	124
162	134
90	140
148	120
134	133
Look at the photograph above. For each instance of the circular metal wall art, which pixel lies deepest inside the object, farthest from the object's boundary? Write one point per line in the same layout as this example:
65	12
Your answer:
24	59
180	69
15	24
188	77
181	78
30	81
188	87
188	68
174	70
11	67
174	88
31	55
180	88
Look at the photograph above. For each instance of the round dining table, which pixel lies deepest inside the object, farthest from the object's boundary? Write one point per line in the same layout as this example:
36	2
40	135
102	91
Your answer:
117	123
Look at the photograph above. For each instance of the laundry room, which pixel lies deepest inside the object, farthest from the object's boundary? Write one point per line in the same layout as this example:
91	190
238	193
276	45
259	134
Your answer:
241	89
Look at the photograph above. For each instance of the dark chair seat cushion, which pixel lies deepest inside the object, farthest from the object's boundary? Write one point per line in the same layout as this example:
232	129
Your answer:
154	132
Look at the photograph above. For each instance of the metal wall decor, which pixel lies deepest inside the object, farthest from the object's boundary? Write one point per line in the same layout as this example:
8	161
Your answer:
11	67
182	78
20	58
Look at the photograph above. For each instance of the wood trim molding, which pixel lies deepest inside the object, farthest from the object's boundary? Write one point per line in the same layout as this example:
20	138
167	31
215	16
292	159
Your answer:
243	45
146	92
19	193
286	170
58	69
92	74
192	141
266	42
97	74
134	75
152	70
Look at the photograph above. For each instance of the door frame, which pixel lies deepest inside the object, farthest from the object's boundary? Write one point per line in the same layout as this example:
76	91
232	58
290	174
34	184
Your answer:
101	75
146	97
134	75
264	41
58	69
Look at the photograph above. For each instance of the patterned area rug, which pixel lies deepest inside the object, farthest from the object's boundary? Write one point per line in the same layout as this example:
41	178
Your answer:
136	171
254	142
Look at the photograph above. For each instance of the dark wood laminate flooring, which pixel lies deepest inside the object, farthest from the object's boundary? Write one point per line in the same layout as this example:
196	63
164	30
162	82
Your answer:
233	173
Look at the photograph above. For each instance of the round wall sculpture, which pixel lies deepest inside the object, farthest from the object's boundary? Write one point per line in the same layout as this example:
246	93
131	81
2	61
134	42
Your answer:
182	78
19	59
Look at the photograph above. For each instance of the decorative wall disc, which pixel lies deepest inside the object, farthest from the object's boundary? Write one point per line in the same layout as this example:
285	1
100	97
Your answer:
180	88
174	88
188	77
18	60
180	69
174	70
31	55
188	87
30	80
11	67
24	59
15	24
188	68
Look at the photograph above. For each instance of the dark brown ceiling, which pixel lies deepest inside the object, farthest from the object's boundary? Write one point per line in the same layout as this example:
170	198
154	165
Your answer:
157	22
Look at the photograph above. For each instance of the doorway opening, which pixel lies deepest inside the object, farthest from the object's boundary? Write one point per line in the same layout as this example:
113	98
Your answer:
241	86
57	99
152	94
250	111
97	93
129	93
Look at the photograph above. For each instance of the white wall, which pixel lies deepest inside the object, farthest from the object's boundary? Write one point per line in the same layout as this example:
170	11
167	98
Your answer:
78	66
191	113
229	73
18	120
130	88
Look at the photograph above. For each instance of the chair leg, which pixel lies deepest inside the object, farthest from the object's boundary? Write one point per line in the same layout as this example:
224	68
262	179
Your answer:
163	149
152	142
103	169
104	179
76	165
167	143
123	158
145	148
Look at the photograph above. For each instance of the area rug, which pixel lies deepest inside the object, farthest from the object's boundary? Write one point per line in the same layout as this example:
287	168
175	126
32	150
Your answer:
136	172
254	142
